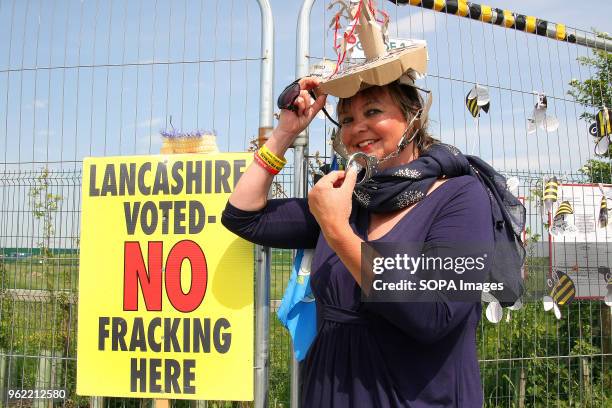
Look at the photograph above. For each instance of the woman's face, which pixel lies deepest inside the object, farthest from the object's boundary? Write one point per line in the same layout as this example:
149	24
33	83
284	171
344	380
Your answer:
372	123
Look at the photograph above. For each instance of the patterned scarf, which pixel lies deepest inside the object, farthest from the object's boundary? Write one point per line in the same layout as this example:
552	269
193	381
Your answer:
399	187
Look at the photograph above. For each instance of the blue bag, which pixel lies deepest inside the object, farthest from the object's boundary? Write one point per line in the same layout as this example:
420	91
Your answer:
297	311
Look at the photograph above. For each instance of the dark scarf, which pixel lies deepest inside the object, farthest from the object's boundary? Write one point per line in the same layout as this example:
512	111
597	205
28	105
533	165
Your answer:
399	187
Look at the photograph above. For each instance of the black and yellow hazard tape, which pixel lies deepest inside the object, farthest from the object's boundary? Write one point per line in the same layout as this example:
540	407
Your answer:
496	16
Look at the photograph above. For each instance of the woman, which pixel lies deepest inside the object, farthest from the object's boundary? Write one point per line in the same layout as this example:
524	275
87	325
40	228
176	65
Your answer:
375	354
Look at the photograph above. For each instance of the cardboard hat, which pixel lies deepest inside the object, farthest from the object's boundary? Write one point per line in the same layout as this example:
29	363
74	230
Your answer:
381	67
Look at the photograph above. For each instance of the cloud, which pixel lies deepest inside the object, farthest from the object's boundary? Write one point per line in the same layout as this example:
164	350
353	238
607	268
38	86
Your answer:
45	132
38	104
148	143
149	123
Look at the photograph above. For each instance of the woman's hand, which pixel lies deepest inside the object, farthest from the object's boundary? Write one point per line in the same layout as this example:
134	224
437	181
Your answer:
291	123
330	202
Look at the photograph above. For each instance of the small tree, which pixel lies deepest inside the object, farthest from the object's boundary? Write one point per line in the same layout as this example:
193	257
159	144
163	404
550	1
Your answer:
44	204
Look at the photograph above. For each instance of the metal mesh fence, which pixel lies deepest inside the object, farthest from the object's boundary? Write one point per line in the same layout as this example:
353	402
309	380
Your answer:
99	78
530	358
39	214
103	78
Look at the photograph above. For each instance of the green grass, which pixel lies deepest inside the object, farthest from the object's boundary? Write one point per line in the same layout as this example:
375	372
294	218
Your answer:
27	328
537	269
57	273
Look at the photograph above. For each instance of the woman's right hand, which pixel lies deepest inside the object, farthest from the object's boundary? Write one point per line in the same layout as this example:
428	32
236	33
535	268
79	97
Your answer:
292	123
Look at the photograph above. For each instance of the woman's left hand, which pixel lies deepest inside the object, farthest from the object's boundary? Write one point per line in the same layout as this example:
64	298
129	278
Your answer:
330	201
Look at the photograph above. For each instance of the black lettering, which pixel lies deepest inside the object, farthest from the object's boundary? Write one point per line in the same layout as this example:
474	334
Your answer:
172	373
155	375
222	173
165	207
102	331
138	336
208	175
186	335
93	190
176	175
239	166
196	217
222	340
161	180
153	345
109	184
131	216
144	190
170	328
138	374
179	216
127	179
201	336
194	177
188	376
119	330
148	226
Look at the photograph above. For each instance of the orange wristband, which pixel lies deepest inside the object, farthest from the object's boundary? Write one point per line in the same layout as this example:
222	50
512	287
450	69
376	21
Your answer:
265	165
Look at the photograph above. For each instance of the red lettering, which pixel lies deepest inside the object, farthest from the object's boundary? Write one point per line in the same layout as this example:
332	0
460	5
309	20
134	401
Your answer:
186	302
135	271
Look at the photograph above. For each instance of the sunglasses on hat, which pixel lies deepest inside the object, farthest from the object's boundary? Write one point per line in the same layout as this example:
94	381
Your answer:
287	99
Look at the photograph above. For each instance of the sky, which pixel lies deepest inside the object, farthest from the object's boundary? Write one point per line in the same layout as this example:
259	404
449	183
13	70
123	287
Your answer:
111	74
104	77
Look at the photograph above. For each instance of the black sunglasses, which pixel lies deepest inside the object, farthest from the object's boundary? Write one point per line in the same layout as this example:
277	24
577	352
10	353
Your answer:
287	99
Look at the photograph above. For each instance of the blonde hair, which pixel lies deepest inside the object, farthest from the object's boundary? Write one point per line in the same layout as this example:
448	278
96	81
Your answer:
408	99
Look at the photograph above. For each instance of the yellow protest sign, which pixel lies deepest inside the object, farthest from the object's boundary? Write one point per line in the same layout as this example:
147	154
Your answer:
165	291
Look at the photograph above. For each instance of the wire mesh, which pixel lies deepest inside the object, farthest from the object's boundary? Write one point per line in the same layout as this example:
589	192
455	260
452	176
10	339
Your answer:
102	78
530	358
98	78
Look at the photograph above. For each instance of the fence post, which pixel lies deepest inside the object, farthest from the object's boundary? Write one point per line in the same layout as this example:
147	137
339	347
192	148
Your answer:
300	152
43	378
3	377
262	254
96	402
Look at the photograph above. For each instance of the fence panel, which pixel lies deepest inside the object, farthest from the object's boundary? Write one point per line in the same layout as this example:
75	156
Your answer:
101	78
530	358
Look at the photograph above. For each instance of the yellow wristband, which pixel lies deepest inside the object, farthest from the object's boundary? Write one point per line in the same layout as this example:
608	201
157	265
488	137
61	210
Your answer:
266	159
281	160
269	159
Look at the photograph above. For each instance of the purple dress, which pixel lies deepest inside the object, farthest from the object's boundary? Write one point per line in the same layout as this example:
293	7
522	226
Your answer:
383	354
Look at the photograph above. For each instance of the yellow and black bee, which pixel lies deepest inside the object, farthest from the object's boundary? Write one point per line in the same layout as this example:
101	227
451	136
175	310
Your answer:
564	290
478	98
603	212
551	189
603	125
565	208
561	224
602	130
